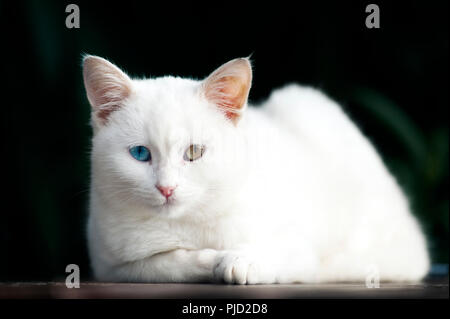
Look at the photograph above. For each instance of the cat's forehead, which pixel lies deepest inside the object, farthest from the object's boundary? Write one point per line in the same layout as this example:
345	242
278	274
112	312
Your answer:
167	98
171	106
168	90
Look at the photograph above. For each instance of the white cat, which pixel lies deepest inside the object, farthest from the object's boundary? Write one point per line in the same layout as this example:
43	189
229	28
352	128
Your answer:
189	184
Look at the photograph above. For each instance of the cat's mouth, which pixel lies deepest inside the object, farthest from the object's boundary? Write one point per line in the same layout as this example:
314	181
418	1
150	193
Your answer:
160	202
168	202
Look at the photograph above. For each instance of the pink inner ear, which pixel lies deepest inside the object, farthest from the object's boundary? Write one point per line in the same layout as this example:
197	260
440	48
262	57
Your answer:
104	113
231	96
106	86
228	87
110	99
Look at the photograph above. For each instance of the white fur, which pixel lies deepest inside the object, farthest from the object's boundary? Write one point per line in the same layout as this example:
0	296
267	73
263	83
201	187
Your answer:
293	192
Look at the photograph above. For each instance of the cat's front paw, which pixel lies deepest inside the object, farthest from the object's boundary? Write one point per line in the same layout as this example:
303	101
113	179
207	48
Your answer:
234	268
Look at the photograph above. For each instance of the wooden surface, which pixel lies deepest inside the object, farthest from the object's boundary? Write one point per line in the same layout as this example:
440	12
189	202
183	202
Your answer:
434	288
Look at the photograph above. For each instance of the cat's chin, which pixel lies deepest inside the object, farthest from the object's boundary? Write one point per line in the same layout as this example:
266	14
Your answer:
170	210
167	207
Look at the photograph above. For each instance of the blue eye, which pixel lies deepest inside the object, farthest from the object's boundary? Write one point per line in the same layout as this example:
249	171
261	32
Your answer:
141	153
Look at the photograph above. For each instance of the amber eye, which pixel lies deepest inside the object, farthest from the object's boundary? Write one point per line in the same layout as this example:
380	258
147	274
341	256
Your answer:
194	152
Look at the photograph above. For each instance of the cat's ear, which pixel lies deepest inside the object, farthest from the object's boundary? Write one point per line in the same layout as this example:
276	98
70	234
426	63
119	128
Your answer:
228	87
106	87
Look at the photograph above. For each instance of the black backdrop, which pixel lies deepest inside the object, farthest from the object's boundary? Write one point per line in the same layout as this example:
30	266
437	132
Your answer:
393	81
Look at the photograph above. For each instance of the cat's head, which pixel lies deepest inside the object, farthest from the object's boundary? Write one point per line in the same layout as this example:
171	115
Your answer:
169	145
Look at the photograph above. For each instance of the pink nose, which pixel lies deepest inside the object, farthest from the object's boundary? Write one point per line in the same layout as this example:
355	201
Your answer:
167	191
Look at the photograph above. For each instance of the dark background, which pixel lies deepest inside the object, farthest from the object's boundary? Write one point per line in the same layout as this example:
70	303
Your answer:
393	81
